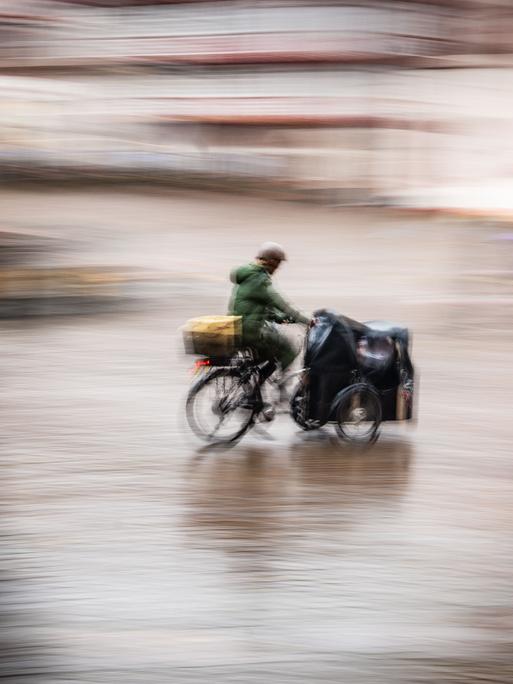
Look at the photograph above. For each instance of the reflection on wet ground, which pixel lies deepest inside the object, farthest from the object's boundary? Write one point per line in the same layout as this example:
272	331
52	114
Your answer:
253	500
133	555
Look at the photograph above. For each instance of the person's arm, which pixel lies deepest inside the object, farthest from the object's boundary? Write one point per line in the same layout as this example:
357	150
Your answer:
276	301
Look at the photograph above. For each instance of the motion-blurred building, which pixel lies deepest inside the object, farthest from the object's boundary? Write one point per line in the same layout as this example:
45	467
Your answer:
354	101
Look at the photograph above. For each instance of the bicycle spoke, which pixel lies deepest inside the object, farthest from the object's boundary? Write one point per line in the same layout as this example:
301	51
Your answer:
218	410
214	431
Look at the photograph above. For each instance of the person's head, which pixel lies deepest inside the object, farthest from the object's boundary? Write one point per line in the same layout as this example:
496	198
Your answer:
270	255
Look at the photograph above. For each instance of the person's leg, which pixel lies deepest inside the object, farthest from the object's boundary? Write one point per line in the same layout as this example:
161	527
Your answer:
273	350
279	348
267	369
266	364
270	345
284	352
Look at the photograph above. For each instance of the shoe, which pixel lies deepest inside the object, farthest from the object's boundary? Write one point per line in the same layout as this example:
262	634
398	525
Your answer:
268	412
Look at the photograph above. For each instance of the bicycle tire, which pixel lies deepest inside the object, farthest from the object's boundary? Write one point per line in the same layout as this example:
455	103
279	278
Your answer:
195	392
359	397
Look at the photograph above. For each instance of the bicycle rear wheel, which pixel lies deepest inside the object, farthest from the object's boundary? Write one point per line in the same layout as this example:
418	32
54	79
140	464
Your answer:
219	407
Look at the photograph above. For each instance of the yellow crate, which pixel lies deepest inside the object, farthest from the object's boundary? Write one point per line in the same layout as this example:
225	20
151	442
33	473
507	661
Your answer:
212	335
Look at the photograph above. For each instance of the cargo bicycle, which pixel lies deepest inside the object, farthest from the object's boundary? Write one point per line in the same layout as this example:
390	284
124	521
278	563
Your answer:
355	376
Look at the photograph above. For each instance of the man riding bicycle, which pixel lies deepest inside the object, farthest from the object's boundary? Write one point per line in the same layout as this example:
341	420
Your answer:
255	299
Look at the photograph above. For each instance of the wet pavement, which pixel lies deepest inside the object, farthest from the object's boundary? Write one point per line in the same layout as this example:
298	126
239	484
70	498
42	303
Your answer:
133	555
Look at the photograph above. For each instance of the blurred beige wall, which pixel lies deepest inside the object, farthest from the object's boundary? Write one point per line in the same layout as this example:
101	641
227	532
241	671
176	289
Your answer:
403	100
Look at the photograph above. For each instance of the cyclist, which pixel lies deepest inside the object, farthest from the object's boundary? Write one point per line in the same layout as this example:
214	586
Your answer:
255	299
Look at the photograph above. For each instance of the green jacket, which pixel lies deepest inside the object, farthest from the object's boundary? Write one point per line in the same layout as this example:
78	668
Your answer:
255	299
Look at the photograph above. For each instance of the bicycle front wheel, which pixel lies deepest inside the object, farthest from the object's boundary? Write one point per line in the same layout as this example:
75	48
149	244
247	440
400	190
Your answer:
219	408
358	414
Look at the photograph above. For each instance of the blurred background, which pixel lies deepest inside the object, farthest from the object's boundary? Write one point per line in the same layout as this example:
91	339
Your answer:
365	102
147	148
